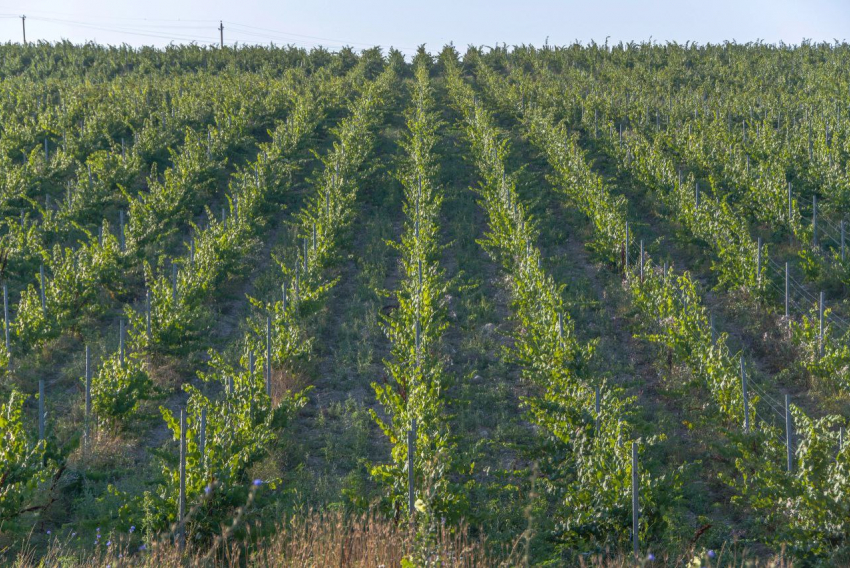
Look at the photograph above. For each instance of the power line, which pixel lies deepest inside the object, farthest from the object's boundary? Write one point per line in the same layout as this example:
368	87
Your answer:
98	17
338	41
124	30
187	30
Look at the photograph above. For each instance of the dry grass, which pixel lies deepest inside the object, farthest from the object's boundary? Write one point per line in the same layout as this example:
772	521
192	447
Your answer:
318	539
108	449
284	383
343	541
729	556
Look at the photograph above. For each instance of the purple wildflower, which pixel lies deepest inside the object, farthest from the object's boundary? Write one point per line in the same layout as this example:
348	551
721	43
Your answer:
651	557
258	482
711	554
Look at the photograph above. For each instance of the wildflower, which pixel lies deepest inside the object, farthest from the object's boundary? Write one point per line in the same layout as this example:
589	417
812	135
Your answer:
711	554
73	534
651	557
258	482
420	505
97	530
108	543
132	529
142	548
48	532
208	489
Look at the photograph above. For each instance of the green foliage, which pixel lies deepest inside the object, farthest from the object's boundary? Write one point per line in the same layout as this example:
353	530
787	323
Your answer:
676	318
826	357
573	175
179	313
319	227
200	149
75	282
803	509
710	219
415	329
241	427
22	468
118	387
592	478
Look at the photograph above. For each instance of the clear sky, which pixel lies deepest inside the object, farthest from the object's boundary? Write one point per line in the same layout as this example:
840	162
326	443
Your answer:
407	24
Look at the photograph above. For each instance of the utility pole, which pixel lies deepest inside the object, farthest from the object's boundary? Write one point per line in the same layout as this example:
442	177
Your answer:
220	30
24	26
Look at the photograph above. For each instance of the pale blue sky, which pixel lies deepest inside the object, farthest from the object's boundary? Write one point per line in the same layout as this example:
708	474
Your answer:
406	24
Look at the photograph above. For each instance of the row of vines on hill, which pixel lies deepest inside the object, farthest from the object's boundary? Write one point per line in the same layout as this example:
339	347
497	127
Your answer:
674	316
413	398
242	412
591	461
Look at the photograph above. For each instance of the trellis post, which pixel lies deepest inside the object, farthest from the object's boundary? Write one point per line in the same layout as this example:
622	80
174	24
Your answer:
635	501
598	405
202	435
181	501
820	324
87	425
411	453
269	355
41	410
786	291
746	398
789	434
